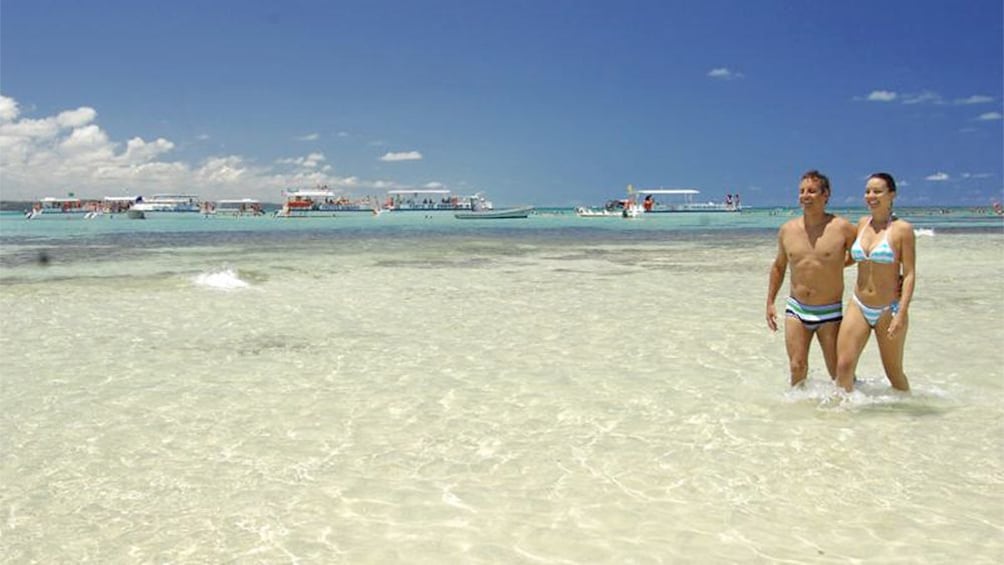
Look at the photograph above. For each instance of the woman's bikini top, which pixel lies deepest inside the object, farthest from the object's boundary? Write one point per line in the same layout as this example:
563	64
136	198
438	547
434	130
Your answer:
881	253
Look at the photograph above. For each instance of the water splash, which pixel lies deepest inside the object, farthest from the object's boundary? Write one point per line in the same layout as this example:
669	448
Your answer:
868	392
225	279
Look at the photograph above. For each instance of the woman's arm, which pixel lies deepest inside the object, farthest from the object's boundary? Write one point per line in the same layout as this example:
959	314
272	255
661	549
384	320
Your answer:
908	262
907	248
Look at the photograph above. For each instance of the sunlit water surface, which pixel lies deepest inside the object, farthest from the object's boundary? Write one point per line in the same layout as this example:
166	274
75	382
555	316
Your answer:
480	396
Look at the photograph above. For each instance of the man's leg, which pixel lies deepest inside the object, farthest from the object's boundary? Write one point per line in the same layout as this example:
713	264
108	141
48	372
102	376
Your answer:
797	339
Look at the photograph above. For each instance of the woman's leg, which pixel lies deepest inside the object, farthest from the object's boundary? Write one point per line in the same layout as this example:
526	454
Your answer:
851	342
891	349
826	335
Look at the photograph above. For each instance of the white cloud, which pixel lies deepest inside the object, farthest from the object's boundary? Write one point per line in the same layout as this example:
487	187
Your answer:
311	161
881	96
402	156
433	185
76	118
222	170
922	98
8	109
45	128
88	142
70	151
724	73
937	177
309	137
989	116
139	151
975	99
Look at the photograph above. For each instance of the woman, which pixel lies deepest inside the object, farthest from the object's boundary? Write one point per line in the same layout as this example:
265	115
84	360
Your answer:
885	251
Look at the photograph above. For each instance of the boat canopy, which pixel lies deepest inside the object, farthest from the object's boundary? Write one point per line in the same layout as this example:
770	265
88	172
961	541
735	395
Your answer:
59	199
238	201
423	191
314	192
172	198
121	198
669	191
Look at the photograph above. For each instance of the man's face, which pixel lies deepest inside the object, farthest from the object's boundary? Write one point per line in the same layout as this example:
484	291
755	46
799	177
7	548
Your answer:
811	194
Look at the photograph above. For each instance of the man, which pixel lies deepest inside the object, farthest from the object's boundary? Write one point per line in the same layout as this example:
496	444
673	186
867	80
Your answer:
815	246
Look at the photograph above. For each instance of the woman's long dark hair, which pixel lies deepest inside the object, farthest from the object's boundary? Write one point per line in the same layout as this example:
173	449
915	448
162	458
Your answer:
887	178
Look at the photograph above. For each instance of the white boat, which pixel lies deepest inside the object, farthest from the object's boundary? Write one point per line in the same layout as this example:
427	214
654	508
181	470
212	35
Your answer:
679	200
584	212
54	207
321	202
236	208
427	200
119	204
166	205
493	214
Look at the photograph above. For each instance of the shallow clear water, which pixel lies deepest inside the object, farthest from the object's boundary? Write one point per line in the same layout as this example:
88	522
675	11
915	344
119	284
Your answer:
549	392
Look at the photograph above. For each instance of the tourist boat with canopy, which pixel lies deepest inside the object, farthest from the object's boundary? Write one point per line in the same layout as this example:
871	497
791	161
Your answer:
323	202
58	207
426	200
662	201
682	200
236	208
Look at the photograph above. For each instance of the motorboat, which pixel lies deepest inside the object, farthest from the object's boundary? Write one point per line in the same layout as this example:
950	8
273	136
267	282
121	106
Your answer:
119	204
480	208
584	212
495	214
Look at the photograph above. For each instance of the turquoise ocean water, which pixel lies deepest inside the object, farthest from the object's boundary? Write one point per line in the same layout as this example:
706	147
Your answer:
417	389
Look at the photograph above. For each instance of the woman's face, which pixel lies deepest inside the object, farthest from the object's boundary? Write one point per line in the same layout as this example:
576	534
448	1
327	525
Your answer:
877	194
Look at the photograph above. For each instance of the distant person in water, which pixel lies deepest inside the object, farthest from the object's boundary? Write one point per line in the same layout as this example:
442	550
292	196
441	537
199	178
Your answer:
814	246
885	251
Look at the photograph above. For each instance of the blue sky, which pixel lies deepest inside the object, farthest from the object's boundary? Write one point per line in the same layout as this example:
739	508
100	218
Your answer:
547	102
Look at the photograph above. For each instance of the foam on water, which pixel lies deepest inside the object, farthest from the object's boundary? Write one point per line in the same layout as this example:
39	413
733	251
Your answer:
868	392
224	279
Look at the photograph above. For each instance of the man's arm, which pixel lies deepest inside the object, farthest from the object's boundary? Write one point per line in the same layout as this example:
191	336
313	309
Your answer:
776	278
850	234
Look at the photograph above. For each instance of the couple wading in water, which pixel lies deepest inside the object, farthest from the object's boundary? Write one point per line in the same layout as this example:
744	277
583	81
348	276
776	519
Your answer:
815	248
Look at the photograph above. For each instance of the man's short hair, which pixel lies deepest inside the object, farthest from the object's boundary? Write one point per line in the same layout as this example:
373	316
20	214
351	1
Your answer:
818	176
